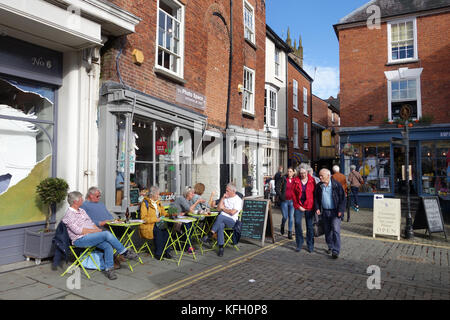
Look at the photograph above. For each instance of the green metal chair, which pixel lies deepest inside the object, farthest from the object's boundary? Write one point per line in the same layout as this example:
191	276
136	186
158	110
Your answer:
80	258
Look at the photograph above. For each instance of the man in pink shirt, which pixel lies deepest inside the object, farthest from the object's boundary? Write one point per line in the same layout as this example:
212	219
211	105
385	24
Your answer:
84	233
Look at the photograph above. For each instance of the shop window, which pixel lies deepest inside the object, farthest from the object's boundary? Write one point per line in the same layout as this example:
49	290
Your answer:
372	161
435	167
26	149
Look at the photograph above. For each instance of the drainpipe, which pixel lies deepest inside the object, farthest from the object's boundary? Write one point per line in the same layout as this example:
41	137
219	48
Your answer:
224	166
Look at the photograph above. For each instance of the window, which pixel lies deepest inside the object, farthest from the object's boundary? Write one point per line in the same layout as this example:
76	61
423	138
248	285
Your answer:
402	40
305	136
305	101
170	37
248	99
295	94
404	88
249	22
295	132
435	171
277	62
270	104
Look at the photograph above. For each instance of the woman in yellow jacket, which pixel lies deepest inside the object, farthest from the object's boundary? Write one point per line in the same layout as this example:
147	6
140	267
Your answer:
153	228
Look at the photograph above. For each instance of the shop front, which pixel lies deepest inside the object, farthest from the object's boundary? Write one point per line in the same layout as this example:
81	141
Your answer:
144	142
382	163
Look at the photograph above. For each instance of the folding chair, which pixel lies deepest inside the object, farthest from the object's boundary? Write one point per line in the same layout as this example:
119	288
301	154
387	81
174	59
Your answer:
79	258
228	236
146	246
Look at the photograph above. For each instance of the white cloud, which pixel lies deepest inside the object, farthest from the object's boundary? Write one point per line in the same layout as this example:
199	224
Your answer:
326	80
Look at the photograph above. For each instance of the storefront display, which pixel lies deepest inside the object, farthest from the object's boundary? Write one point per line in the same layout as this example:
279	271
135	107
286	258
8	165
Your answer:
435	167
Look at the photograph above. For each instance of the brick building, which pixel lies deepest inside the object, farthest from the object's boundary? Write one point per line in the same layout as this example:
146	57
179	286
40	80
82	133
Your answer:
182	100
401	61
299	112
325	136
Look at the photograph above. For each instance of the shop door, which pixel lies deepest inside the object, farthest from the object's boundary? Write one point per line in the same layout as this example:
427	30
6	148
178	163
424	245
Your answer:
399	169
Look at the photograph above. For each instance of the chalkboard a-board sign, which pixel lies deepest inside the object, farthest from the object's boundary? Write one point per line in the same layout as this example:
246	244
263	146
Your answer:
134	196
429	216
257	220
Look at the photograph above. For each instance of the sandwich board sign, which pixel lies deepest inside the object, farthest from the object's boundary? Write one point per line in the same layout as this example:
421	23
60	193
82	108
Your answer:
429	216
256	220
386	217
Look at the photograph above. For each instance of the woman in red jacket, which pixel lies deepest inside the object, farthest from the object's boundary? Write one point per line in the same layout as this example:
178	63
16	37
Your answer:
304	186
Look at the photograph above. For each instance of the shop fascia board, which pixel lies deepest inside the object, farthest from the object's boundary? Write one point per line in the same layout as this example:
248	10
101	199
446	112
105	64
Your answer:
122	101
48	25
247	134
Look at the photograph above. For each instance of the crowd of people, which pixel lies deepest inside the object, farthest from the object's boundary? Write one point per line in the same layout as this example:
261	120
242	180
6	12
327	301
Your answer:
298	193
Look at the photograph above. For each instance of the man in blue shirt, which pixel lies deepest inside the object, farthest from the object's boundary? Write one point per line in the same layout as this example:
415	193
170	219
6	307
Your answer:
98	213
95	209
329	201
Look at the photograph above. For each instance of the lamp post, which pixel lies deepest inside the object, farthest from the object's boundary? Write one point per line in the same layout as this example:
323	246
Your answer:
405	113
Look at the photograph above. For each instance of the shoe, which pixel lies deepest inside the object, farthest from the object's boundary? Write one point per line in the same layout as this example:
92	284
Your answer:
167	255
282	229
110	274
191	250
117	262
120	258
310	250
130	255
214	236
334	255
220	253
289	235
328	251
157	257
298	249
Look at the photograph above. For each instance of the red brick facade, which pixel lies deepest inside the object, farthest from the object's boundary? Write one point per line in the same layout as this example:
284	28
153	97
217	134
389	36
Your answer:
296	73
206	58
363	61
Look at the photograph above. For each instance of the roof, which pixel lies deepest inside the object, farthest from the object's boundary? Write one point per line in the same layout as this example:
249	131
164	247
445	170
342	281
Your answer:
277	40
334	103
389	8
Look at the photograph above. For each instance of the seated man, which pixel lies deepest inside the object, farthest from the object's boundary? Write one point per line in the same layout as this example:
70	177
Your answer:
230	205
84	233
96	210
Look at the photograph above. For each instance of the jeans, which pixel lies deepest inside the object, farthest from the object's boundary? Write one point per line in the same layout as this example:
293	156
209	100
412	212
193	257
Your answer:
355	195
220	224
106	242
287	209
160	238
332	228
309	216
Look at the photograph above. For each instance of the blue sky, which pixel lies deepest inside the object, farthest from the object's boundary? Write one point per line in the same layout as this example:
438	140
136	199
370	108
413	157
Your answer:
313	20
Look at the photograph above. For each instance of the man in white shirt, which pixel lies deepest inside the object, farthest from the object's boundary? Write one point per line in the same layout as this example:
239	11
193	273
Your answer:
229	206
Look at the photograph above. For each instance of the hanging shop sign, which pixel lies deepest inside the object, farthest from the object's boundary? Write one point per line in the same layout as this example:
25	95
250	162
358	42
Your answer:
161	148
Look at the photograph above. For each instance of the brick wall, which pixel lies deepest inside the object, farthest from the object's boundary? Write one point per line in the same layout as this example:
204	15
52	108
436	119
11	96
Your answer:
294	74
363	59
206	48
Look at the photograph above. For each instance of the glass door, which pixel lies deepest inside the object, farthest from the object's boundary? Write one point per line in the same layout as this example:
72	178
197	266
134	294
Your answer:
400	170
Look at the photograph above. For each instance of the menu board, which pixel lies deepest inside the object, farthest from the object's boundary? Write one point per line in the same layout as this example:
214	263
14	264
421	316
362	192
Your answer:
134	196
429	216
256	220
386	217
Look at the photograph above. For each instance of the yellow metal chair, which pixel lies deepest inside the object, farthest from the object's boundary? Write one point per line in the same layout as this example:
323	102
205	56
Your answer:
80	255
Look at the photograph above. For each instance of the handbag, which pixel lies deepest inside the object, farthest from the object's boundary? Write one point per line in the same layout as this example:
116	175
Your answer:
318	225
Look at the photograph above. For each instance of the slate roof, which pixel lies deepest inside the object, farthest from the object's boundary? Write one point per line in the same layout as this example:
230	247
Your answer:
390	8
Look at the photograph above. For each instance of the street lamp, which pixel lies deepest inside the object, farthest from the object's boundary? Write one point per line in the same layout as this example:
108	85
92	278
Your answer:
405	113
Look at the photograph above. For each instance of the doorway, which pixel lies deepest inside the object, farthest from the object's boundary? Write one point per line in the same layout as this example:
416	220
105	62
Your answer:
400	172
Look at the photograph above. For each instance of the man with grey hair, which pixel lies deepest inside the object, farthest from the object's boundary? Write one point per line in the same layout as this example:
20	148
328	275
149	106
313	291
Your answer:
84	233
229	206
95	209
329	201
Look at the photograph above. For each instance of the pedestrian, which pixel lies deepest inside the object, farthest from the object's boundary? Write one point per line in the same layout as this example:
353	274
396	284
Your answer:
311	173
278	178
304	186
286	193
339	177
329	201
355	180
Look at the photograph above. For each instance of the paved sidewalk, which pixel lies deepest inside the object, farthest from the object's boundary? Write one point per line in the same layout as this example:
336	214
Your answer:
408	271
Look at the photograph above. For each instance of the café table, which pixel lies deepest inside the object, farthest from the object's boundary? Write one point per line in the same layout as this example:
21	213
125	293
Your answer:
201	230
126	238
174	238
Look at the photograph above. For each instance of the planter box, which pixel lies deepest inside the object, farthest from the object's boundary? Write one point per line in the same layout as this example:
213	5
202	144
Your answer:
38	245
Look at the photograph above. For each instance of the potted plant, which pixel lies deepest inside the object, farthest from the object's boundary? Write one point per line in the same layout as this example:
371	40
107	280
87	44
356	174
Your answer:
172	211
38	245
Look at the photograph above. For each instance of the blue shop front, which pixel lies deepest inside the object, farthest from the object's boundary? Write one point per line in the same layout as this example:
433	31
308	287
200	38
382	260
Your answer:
382	163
